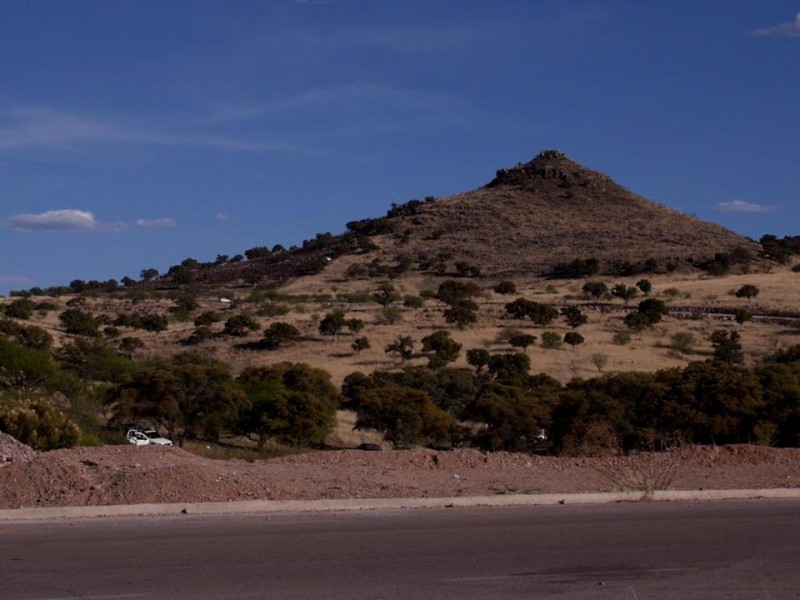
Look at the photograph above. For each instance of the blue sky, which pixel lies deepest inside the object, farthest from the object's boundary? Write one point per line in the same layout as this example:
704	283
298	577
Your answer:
138	133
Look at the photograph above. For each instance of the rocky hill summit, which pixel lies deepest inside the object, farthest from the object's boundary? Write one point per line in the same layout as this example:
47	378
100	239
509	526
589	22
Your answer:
550	211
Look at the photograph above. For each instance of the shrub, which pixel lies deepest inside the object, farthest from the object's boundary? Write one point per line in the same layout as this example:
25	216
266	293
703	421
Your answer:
682	342
390	315
38	424
410	301
621	338
505	287
551	339
272	310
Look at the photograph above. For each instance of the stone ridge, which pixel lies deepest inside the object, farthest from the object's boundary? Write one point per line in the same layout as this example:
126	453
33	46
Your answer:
550	165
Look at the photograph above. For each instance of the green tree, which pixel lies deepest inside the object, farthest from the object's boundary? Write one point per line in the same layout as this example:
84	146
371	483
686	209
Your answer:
573	338
78	322
24	371
522	340
727	346
624	292
645	286
573	316
510	367
514	416
451	291
748	291
442	349
520	308
355	326
181	275
189	396
279	334
148	274
129	345
292	402
742	315
636	321
359	344
405	416
478	358
386	294
551	339
92	359
333	323
653	310
463	313
596	289
403	346
240	325
505	287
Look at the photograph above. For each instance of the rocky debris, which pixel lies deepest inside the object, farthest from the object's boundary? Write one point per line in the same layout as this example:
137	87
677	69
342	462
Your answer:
13	451
155	474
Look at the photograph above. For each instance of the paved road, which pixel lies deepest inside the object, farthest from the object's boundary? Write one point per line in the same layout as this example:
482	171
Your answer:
745	549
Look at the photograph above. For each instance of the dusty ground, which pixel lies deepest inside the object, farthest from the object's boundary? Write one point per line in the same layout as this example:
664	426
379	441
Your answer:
131	475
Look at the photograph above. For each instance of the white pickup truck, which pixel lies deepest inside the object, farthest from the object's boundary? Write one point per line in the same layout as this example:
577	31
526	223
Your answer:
146	437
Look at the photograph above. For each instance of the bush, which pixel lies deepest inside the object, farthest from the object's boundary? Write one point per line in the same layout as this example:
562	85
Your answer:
38	424
621	338
551	339
410	301
682	342
505	287
78	322
272	310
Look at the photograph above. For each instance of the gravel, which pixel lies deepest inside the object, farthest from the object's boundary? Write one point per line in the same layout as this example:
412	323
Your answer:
111	475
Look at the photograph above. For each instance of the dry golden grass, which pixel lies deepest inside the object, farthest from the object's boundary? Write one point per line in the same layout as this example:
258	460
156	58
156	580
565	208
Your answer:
647	351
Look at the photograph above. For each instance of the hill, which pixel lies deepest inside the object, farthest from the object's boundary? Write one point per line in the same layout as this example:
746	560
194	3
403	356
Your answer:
527	221
551	211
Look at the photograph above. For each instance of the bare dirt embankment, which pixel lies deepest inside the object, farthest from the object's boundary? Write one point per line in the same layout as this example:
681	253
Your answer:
130	475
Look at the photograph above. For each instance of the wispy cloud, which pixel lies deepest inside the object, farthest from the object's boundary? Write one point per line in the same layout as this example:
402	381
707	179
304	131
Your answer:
62	220
222	217
44	128
163	222
421	40
353	98
791	29
742	206
12	280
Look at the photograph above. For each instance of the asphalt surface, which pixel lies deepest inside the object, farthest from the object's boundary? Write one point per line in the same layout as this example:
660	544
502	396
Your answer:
734	549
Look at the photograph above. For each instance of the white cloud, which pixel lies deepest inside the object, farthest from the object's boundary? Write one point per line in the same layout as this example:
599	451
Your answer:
62	220
164	222
791	29
742	206
222	217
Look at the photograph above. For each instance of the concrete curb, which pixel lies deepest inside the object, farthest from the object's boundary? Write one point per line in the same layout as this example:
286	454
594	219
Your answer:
273	506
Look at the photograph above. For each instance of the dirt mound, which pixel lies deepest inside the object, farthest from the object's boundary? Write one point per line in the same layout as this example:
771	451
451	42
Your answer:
154	474
14	451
